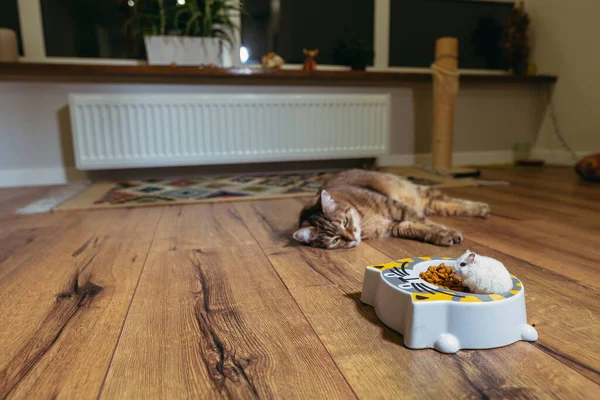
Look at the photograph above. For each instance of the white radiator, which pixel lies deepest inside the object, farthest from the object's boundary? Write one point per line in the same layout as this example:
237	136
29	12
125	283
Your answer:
121	131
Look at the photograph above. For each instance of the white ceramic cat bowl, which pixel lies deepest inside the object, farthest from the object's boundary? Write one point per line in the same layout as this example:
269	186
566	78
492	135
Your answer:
432	317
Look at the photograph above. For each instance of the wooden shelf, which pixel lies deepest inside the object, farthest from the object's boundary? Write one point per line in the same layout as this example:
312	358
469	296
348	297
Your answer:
234	76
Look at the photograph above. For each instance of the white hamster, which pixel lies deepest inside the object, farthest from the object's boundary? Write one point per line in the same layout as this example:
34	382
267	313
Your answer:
483	275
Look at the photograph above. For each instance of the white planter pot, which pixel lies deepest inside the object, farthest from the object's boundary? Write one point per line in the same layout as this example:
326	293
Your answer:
183	50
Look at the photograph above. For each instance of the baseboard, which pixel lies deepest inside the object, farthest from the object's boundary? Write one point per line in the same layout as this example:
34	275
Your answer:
60	175
558	157
459	158
551	157
37	176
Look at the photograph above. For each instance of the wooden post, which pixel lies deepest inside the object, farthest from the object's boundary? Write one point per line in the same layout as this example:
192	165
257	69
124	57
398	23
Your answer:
445	90
9	48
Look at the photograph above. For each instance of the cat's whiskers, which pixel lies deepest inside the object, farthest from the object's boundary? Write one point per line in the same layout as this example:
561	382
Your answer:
367	215
368	218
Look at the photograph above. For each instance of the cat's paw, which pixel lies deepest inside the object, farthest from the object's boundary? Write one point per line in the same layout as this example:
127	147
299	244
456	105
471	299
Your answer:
457	237
483	210
442	238
529	333
447	343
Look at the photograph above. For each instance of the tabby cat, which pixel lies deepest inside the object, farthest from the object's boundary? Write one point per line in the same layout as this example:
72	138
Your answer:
357	205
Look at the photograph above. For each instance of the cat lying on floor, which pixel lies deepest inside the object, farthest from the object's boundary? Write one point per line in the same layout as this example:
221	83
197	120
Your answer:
358	205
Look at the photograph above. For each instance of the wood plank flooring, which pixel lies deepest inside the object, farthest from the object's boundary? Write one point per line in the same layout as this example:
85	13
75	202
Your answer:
215	301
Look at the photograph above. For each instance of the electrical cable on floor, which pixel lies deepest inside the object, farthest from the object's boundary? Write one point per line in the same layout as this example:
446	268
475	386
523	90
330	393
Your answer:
557	132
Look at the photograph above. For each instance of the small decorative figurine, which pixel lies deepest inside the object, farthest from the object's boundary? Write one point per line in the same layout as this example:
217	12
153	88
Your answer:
310	64
272	61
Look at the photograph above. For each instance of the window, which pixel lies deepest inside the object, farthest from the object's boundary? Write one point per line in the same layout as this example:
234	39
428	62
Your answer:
478	25
288	26
97	29
88	28
9	18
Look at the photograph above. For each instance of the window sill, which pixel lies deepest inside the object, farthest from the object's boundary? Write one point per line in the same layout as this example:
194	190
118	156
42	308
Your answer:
236	76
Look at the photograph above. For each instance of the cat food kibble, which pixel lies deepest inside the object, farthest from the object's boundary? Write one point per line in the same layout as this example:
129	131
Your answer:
443	276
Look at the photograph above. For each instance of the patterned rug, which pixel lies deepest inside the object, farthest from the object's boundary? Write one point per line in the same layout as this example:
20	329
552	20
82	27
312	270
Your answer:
195	190
158	192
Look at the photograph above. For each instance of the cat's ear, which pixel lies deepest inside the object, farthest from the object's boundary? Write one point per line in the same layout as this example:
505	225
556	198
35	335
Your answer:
305	235
327	203
471	258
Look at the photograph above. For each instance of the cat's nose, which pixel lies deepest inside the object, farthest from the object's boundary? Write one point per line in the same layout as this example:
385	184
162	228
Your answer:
348	236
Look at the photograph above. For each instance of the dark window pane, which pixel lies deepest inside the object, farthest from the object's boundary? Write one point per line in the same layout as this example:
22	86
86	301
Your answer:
416	24
88	28
288	26
9	18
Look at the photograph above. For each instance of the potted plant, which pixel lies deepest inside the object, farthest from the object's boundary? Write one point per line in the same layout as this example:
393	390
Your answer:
357	54
516	42
184	32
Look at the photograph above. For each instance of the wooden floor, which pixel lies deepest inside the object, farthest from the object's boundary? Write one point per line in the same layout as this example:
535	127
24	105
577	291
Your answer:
214	301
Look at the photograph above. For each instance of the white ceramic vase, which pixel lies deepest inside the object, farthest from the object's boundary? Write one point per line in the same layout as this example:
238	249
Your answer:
183	50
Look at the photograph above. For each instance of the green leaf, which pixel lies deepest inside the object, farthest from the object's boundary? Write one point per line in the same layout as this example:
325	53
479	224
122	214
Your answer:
199	17
194	18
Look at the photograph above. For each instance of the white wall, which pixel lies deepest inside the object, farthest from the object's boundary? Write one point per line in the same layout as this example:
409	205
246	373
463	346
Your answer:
565	43
35	132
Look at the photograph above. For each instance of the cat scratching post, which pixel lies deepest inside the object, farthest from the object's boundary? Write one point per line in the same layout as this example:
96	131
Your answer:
445	90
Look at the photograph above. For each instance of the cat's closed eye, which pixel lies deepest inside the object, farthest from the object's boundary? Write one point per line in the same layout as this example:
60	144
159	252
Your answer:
345	222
